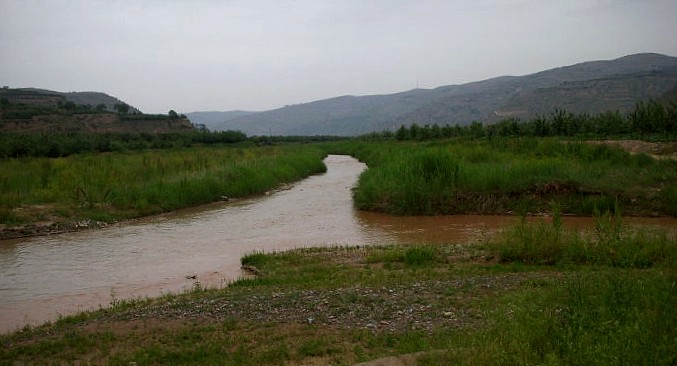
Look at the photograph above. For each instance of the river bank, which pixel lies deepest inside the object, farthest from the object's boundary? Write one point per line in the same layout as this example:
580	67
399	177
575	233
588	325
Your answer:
46	228
444	304
505	176
47	195
45	277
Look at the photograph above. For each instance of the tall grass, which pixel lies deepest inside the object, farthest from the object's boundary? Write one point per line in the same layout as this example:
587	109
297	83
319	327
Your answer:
608	318
608	307
120	185
425	180
510	175
611	243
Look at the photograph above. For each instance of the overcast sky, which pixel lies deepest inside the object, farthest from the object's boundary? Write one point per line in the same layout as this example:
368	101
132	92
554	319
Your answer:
204	55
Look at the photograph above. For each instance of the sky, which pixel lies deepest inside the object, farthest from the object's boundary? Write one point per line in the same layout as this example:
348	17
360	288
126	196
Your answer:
218	55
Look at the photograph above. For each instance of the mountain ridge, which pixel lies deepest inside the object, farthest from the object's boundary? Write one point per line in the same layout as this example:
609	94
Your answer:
585	87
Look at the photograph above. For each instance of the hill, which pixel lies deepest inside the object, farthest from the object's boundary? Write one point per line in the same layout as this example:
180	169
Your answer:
589	87
79	98
36	110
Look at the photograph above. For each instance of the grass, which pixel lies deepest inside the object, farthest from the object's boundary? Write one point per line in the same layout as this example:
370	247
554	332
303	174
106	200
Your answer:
537	294
510	175
497	176
605	318
611	243
414	255
516	300
108	187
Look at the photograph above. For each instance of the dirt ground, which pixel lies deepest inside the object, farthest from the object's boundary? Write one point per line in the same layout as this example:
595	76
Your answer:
658	150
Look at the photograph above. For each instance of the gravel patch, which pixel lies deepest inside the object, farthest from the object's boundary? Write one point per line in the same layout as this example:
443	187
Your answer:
422	306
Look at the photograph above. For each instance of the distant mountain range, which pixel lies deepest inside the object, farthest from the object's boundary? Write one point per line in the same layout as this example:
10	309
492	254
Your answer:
589	87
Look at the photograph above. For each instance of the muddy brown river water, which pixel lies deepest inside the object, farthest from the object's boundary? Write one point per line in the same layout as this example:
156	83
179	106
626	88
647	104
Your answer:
44	277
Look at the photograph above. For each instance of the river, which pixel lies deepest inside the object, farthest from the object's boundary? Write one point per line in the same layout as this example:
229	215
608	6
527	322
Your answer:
44	277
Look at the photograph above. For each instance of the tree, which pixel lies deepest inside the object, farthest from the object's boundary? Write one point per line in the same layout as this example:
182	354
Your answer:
402	133
122	108
69	106
414	131
476	130
173	115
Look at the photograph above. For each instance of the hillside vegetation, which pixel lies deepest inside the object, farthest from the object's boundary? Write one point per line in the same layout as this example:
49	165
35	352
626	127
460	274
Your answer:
42	111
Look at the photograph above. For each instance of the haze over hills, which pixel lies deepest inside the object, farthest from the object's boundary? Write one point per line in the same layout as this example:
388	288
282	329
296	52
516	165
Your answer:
213	119
589	87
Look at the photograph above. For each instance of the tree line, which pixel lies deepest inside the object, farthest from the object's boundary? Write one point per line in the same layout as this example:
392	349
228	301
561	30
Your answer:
649	119
17	145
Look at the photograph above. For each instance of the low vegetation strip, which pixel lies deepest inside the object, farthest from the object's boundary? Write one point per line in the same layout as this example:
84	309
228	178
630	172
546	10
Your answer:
109	187
511	176
488	176
445	304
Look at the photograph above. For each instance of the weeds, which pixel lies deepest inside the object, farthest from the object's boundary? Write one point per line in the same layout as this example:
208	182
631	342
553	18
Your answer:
420	255
254	259
125	185
422	182
611	243
607	318
507	175
411	255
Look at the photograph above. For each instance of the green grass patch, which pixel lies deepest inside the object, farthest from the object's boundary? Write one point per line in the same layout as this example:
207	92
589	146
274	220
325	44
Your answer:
107	187
412	255
611	243
508	175
254	259
602	318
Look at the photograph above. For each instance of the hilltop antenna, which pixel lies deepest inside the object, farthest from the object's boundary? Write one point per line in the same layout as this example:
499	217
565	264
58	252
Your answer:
417	83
